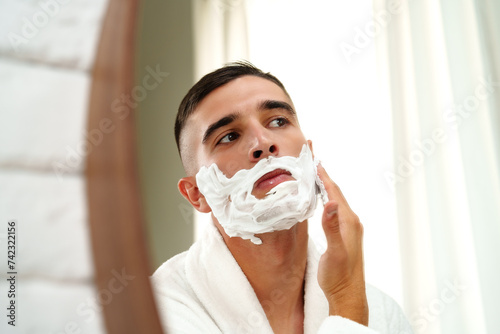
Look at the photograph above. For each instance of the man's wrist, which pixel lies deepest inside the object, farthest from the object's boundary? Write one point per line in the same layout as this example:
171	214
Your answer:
350	306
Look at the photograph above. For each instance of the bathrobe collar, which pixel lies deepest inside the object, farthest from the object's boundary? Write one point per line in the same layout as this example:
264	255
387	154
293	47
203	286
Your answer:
225	293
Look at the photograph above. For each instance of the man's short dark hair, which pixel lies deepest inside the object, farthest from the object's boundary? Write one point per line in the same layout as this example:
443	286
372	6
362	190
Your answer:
209	83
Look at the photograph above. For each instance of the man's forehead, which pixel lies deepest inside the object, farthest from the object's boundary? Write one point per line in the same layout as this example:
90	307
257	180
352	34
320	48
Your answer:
235	96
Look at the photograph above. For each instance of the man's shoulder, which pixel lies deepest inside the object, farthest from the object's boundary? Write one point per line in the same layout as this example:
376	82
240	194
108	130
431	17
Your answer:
173	270
171	273
179	276
177	300
174	263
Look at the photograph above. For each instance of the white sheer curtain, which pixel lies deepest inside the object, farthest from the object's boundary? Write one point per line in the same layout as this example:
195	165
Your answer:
220	32
440	61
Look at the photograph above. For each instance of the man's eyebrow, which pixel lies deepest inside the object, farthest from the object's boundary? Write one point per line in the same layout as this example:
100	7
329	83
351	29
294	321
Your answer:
220	123
274	104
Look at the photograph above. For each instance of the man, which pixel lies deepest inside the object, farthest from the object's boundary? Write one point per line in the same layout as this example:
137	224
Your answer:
234	121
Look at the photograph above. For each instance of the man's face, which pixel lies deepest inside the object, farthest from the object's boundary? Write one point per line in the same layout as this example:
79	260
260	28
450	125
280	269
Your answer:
240	123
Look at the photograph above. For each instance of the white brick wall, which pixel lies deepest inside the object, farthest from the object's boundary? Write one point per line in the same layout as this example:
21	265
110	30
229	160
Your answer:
47	48
63	33
54	307
42	114
52	225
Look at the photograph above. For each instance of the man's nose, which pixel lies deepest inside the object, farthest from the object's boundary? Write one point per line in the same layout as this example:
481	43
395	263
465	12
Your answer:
263	147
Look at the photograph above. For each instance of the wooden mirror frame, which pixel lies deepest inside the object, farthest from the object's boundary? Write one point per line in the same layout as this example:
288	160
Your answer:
114	202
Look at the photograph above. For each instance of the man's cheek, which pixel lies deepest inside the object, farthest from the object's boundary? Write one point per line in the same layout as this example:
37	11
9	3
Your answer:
232	167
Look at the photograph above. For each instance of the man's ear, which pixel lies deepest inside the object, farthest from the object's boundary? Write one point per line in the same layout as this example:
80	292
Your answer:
188	189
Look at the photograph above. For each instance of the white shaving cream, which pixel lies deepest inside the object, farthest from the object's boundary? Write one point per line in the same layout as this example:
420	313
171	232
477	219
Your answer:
241	214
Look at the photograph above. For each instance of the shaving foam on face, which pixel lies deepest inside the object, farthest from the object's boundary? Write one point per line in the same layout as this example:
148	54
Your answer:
241	214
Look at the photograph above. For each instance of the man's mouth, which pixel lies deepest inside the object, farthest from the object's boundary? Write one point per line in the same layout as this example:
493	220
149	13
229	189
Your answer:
272	179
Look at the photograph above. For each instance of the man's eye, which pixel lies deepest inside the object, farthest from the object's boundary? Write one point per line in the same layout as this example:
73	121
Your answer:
278	122
228	138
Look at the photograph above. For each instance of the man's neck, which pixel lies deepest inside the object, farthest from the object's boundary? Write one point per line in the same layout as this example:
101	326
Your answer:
276	271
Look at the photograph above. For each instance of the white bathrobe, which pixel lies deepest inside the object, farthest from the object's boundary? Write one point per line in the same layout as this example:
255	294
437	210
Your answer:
203	290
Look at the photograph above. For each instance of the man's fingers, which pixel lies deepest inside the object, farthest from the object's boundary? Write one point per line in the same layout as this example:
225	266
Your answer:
331	225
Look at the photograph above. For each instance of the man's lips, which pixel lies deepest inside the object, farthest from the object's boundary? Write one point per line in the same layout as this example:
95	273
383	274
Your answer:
272	179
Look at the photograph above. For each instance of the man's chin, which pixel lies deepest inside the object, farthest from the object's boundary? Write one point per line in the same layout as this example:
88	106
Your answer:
279	234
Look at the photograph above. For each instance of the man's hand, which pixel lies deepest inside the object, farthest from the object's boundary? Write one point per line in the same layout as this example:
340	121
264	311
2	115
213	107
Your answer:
341	272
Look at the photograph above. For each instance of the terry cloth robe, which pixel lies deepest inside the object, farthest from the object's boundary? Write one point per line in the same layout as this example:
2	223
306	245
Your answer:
204	290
